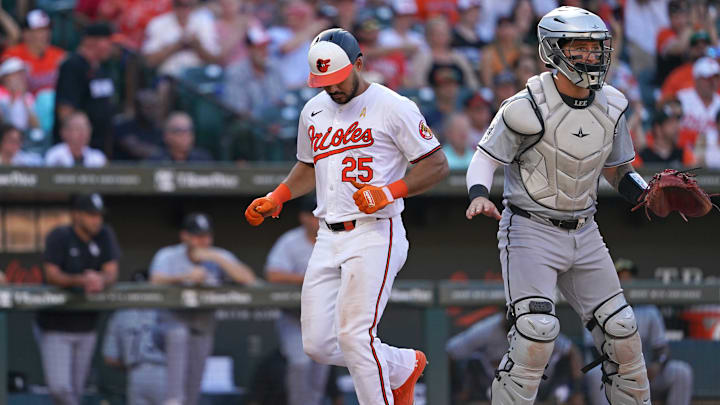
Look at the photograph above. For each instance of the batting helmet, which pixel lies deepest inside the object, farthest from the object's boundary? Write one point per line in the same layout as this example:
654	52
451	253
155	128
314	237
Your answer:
331	57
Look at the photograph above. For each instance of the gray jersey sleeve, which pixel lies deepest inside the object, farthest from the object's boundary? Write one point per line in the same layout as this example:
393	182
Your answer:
464	344
654	337
622	149
500	142
161	263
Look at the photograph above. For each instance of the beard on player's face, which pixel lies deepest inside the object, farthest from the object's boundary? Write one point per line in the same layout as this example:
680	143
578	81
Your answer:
344	91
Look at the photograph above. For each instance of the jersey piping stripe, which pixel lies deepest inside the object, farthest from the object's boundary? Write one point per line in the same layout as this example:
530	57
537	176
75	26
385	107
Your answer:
435	149
377	305
507	261
336	151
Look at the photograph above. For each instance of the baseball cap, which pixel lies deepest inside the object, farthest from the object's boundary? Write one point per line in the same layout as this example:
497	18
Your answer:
98	30
331	57
698	36
256	35
92	203
197	223
36	19
12	65
463	5
622	264
443	74
705	67
404	7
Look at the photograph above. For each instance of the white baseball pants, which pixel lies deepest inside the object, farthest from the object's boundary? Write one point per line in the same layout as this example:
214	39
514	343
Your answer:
346	288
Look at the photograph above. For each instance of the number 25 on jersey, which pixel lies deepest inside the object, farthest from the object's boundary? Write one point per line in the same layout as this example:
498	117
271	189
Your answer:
364	172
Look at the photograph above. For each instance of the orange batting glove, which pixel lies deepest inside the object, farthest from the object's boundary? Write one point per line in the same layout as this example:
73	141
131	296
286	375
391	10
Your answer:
270	205
370	199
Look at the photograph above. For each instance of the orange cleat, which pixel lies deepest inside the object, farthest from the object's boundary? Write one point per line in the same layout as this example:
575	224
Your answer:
405	394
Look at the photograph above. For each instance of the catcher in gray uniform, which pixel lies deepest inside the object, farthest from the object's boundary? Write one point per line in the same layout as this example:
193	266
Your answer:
554	140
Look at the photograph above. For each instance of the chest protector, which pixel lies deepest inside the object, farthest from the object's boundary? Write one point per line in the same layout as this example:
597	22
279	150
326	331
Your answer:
561	170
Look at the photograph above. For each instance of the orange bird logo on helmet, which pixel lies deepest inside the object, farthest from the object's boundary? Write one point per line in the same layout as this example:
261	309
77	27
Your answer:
323	65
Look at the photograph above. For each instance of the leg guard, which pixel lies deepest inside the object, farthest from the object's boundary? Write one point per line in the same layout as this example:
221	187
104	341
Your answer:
614	331
532	338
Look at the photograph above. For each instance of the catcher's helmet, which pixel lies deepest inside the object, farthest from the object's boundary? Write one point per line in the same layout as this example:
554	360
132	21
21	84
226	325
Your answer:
331	57
568	24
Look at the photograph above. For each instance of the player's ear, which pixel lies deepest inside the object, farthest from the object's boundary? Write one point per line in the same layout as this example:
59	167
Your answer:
359	63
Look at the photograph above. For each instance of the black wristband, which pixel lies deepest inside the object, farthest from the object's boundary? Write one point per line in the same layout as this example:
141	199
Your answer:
478	190
631	187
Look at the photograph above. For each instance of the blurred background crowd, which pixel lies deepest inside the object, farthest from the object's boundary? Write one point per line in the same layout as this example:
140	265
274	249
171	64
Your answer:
92	82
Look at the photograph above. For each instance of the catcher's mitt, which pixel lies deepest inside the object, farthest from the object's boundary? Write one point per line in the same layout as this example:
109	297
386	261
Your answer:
673	190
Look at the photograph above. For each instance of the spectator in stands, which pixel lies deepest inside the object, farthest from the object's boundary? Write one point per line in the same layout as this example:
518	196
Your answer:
11	153
643	21
401	34
82	257
707	149
232	24
139	137
85	85
384	65
179	142
17	104
456	148
481	347
505	85
526	67
445	81
502	54
477	108
182	38
9	30
189	334
670	380
131	18
701	103
465	38
286	264
673	41
133	341
255	84
345	17
663	150
42	59
439	53
74	149
290	42
682	76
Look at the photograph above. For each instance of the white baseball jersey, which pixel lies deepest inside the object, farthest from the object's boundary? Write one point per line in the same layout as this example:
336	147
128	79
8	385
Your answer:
696	115
370	140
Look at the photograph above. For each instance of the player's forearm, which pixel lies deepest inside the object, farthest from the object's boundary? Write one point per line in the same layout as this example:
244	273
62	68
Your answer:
626	181
301	179
55	276
237	271
109	273
427	173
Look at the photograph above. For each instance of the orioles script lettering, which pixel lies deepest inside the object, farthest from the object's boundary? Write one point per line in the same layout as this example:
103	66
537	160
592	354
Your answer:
340	141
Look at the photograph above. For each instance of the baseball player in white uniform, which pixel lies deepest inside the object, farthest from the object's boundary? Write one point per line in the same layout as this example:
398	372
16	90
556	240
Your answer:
287	262
554	140
355	140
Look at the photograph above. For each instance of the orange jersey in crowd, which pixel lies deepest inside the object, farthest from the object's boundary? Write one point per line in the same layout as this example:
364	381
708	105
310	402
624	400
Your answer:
431	8
43	70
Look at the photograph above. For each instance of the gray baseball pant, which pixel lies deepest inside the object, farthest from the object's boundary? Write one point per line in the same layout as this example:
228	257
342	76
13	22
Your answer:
186	353
305	378
146	384
537	257
674	384
66	358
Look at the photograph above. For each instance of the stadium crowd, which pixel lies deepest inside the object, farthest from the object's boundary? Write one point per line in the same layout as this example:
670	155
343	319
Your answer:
116	90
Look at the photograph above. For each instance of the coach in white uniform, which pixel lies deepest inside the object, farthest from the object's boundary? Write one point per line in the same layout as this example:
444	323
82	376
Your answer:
355	140
555	139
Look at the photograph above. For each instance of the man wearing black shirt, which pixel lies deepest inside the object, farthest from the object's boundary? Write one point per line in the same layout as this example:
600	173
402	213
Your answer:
664	149
83	84
81	257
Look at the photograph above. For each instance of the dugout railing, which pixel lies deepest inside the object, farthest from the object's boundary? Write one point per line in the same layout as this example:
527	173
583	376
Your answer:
431	298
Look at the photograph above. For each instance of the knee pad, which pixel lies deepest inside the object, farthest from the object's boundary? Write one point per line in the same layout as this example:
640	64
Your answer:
532	337
614	330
